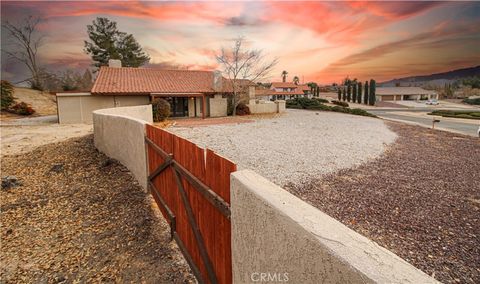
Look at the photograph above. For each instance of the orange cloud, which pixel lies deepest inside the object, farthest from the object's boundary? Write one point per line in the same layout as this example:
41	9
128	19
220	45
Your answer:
157	11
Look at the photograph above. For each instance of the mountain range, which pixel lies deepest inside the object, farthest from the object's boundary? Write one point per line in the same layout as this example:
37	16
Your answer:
437	79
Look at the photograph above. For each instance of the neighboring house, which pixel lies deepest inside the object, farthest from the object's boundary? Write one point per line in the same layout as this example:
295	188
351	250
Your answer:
283	91
404	93
190	93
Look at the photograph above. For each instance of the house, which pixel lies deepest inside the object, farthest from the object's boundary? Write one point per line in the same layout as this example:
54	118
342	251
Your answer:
190	93
283	91
404	93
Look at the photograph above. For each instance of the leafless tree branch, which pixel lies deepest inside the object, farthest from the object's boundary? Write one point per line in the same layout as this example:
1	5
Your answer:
26	44
241	64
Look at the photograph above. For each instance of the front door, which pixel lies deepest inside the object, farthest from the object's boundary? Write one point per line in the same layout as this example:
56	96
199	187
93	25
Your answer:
178	106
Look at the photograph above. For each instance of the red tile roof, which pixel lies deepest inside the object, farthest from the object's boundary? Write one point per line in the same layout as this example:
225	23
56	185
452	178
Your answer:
284	85
128	80
269	92
304	87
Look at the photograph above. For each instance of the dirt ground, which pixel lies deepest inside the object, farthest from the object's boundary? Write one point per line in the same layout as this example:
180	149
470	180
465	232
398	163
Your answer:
420	199
42	103
80	217
16	139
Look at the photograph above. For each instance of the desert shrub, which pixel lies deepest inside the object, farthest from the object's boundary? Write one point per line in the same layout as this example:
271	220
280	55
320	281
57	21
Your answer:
319	107
321	100
161	110
469	114
475	101
21	108
6	95
339	103
242	109
314	104
304	103
362	112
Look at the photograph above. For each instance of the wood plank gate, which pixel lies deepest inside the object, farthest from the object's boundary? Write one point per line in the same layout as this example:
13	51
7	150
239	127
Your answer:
191	186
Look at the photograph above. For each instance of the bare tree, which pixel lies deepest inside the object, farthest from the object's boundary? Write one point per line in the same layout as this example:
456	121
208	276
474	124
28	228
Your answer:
240	64
26	41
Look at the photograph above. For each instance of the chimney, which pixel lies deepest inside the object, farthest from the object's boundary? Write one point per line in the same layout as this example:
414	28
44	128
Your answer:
114	63
217	81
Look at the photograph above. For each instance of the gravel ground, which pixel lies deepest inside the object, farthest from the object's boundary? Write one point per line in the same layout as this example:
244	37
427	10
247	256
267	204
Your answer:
80	217
421	200
295	146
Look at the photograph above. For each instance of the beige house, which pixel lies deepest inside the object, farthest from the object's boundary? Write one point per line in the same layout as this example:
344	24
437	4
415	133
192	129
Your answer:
190	93
404	93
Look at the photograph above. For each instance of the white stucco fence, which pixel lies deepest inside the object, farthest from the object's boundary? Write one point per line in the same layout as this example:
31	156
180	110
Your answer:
275	235
119	133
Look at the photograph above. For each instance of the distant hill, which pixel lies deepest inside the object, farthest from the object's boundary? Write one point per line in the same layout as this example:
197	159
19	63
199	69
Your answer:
438	79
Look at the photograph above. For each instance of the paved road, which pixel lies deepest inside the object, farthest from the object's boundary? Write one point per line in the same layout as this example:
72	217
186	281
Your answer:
448	125
35	120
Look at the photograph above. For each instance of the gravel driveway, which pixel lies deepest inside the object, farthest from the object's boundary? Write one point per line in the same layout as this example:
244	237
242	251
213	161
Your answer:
297	145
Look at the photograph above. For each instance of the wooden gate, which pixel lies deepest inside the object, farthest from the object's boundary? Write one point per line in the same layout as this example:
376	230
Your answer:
191	186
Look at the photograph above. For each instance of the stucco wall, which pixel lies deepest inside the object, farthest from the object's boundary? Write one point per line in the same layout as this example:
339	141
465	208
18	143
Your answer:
218	106
119	133
281	105
263	107
78	107
277	234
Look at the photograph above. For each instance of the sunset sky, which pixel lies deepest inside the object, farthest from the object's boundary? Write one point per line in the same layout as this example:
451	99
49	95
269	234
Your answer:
317	41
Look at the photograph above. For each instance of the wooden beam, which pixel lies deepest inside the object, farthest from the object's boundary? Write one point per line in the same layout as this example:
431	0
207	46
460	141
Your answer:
196	230
204	190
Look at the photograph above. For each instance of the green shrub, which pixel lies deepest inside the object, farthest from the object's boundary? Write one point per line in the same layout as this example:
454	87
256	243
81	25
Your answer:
354	92
359	95
469	114
475	101
321	100
357	111
371	93
242	109
314	104
349	93
339	103
22	108
365	96
6	95
161	110
303	103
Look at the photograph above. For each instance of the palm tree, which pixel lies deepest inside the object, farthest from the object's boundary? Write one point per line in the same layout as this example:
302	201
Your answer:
296	80
284	76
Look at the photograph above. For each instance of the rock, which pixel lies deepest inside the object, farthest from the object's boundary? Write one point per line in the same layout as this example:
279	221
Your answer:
10	182
60	278
57	168
107	163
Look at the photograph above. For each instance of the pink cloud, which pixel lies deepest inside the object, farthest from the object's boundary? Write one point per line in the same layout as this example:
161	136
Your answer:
156	11
393	10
